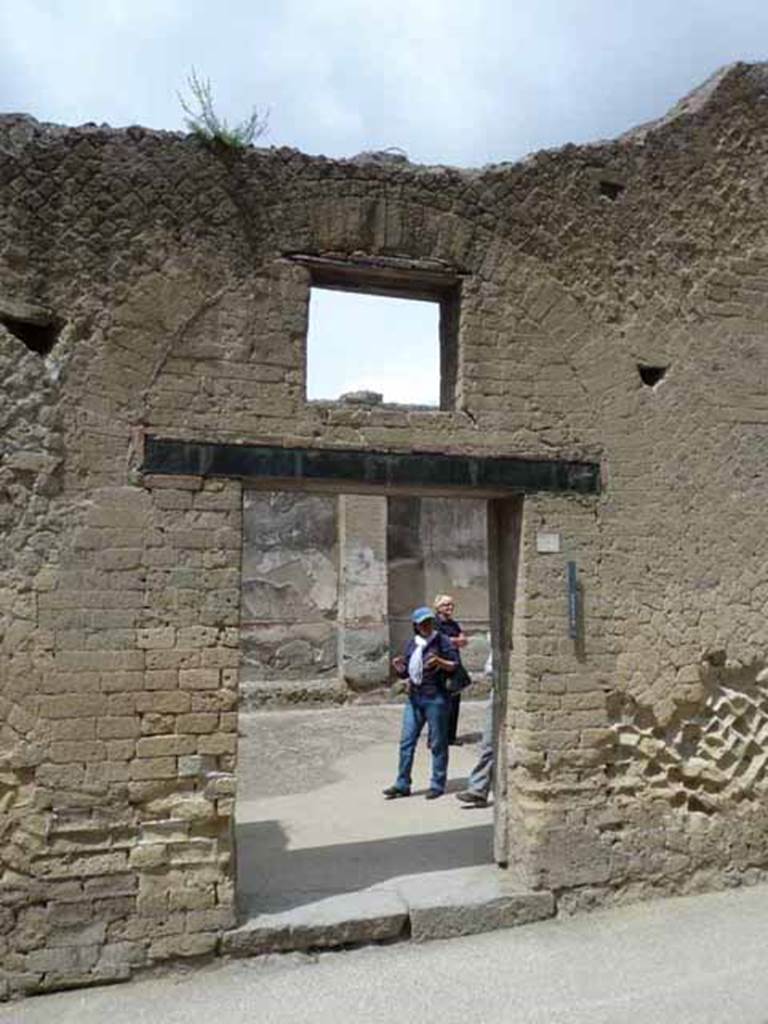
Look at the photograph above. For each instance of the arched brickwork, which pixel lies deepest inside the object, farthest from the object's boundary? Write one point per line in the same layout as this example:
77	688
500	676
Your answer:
636	757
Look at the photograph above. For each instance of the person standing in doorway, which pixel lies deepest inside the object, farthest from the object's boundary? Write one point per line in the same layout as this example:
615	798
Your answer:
429	657
481	777
449	627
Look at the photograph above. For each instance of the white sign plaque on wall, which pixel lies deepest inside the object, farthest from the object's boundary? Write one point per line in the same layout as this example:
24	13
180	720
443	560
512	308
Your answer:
547	542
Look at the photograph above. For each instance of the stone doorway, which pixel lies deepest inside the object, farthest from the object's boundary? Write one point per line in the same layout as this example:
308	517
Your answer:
328	581
502	482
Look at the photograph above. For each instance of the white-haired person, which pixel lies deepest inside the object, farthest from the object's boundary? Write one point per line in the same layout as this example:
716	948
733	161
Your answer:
429	658
450	628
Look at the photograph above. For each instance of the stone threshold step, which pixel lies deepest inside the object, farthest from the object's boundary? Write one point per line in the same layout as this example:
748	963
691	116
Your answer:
433	905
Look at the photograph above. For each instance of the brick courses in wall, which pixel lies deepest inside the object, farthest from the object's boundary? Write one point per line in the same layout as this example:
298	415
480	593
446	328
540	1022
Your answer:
161	275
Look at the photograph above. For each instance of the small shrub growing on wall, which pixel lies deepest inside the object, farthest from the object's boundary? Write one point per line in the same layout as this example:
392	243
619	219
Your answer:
203	121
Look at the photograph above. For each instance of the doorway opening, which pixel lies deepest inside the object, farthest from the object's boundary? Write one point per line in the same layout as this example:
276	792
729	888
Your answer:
329	581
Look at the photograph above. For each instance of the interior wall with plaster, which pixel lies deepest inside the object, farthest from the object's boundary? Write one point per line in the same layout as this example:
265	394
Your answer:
322	614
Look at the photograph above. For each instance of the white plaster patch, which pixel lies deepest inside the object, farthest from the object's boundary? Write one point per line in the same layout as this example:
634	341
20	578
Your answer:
547	542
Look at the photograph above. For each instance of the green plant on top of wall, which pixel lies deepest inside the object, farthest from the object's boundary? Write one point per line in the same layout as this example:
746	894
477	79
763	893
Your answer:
203	121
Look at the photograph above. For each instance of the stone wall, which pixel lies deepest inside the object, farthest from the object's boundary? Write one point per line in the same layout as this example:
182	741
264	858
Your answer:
440	547
329	583
290	598
148	285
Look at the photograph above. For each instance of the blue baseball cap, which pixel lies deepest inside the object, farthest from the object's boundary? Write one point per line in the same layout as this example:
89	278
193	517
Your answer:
421	615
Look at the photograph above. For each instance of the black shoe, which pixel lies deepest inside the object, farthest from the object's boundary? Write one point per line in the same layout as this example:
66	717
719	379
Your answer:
392	792
456	743
433	794
476	799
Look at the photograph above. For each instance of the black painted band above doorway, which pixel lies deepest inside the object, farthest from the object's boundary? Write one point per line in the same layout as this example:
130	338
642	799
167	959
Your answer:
341	467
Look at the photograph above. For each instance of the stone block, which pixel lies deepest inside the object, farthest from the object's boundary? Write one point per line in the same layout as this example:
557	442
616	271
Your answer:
92	934
148	855
188	945
196	724
192	897
163	702
199	679
68	751
164	746
111	728
153	768
64	960
220	918
196	764
220	784
165	830
217	743
162	638
342	920
194	808
121	955
72	706
193	851
441	920
197	637
157	725
154	481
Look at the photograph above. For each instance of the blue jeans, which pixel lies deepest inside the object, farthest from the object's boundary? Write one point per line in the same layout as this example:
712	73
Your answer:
419	710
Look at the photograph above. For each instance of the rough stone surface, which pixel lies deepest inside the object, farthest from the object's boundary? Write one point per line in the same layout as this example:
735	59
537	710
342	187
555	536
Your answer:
439	547
290	587
431	905
339	921
150	290
468	901
329	584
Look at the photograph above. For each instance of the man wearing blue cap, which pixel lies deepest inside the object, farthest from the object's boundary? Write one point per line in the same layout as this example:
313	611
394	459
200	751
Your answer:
428	658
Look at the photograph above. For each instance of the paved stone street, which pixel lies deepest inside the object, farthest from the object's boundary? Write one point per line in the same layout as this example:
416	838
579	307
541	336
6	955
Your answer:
694	960
311	820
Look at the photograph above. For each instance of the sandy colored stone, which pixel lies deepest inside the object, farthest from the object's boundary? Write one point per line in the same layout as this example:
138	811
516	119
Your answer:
612	310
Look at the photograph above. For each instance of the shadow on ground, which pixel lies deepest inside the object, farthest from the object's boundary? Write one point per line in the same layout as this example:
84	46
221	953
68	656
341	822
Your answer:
273	878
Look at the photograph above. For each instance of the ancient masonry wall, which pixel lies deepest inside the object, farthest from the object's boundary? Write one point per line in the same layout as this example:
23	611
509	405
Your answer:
329	583
147	285
438	547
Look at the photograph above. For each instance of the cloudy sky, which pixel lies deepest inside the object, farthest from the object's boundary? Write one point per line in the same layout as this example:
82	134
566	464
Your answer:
449	81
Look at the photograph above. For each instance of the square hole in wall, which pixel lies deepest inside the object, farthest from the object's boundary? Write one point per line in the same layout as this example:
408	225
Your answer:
381	333
373	343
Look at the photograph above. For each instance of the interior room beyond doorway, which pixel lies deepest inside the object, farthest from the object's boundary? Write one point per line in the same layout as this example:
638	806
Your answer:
328	584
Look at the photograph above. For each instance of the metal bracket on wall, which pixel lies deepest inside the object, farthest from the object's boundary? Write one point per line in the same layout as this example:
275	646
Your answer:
573	601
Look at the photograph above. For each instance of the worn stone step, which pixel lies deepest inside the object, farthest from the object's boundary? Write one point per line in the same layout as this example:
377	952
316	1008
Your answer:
466	901
346	919
432	905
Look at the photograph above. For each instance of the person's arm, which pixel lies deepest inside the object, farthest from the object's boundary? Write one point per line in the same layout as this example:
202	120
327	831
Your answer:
400	663
460	640
447	658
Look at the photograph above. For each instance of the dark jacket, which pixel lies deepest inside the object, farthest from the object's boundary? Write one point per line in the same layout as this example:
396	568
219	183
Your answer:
433	679
450	628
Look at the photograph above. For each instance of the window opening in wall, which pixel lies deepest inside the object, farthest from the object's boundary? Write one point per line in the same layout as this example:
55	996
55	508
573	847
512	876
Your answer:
651	375
364	346
329	583
382	326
